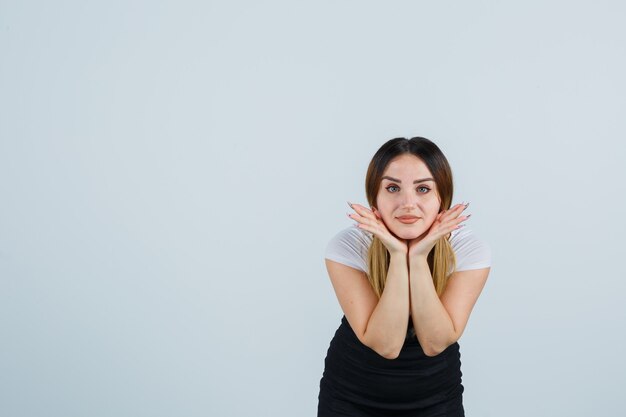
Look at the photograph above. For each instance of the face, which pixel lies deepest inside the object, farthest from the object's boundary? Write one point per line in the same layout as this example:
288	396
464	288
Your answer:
399	195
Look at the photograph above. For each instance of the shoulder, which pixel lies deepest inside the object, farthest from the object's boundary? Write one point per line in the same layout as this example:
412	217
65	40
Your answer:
349	246
471	251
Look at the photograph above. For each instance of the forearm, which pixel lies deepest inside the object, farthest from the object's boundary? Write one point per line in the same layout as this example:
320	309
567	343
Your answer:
433	326
387	326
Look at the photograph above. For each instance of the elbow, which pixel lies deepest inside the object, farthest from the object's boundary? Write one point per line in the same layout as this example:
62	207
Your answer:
386	351
434	350
390	355
430	352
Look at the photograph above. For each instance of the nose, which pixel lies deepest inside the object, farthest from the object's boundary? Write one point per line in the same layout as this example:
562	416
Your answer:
409	201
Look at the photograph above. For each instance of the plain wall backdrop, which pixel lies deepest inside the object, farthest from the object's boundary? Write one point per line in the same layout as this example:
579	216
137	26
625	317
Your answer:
171	172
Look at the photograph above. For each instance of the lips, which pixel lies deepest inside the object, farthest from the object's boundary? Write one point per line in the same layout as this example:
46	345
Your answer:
408	219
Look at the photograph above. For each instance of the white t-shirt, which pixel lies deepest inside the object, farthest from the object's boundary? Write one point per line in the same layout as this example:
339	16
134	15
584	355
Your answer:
350	245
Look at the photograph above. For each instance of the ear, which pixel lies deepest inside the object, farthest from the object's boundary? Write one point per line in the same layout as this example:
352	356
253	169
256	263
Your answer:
376	213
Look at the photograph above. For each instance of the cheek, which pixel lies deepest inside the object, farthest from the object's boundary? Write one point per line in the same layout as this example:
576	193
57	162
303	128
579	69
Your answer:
384	208
434	211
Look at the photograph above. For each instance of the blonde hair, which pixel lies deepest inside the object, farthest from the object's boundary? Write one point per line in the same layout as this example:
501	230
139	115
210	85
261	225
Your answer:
441	259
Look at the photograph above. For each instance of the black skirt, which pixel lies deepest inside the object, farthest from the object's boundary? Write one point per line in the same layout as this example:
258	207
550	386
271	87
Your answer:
359	382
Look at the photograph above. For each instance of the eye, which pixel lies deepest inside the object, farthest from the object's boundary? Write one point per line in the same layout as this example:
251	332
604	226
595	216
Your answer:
391	186
418	188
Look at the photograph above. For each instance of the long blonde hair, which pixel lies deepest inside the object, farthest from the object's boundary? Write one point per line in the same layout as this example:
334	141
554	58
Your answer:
441	258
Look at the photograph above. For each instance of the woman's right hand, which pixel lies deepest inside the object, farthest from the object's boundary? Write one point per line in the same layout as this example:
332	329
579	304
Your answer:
371	222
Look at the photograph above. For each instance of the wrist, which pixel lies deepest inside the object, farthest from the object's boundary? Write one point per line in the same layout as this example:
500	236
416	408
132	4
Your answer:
418	259
398	255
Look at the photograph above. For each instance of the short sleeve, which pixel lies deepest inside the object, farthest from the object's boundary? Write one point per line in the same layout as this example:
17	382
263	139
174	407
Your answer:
349	247
471	251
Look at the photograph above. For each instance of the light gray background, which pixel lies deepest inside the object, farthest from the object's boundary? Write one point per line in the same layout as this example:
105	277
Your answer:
170	174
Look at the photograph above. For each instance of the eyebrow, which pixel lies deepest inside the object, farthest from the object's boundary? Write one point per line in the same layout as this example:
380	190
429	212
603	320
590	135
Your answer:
414	182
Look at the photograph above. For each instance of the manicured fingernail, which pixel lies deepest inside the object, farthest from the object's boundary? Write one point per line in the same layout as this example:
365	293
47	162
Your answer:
468	216
350	204
349	214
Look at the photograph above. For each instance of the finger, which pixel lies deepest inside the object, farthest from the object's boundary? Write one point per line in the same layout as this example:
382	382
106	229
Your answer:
365	221
458	222
364	227
451	223
368	228
453	212
369	222
359	218
461	207
363	211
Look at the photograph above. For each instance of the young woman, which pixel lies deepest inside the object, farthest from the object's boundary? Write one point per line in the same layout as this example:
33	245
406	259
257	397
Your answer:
407	277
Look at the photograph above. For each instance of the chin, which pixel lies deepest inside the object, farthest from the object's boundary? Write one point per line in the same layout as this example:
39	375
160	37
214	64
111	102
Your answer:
407	234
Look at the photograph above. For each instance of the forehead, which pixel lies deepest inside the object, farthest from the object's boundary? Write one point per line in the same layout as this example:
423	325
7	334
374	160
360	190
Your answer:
407	166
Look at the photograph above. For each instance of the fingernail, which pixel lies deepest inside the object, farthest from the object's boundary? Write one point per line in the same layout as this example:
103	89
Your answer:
350	204
348	214
466	204
469	215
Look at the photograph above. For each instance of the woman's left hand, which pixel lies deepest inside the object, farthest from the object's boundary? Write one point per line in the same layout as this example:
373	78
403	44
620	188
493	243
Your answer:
445	223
